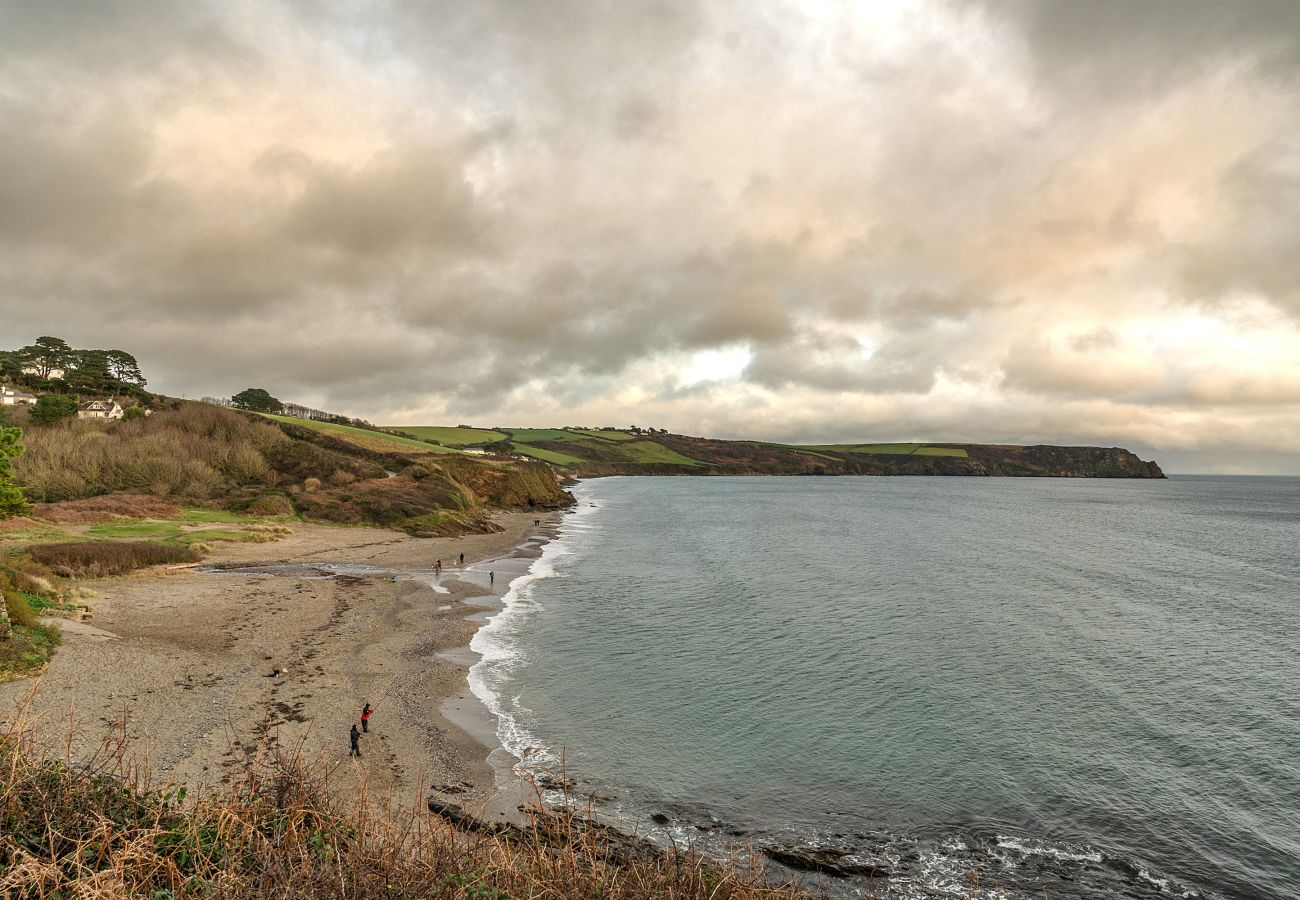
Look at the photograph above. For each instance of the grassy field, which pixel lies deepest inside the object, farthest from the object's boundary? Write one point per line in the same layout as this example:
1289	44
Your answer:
596	447
529	435
609	450
195	525
550	456
158	531
942	451
451	436
605	435
369	440
650	452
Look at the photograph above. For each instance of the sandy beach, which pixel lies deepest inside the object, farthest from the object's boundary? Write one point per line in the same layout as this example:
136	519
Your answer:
186	658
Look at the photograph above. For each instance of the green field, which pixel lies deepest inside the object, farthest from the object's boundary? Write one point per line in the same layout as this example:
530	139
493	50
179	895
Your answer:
369	440
650	452
610	450
173	531
159	531
451	436
605	435
942	451
550	456
529	435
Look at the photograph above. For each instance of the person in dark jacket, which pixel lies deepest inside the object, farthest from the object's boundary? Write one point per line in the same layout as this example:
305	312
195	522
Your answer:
356	741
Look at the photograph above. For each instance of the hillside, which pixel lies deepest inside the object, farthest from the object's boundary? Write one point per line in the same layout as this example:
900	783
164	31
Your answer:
593	452
206	455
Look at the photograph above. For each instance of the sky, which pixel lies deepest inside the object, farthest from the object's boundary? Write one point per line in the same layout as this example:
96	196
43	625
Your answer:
1021	222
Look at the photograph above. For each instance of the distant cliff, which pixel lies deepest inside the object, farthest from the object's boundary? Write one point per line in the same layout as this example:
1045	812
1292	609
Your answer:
592	454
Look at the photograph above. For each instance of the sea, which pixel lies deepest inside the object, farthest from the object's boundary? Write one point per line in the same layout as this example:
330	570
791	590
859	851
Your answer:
992	687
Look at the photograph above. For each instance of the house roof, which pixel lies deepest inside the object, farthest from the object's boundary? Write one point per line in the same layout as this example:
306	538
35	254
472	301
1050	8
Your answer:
14	392
97	404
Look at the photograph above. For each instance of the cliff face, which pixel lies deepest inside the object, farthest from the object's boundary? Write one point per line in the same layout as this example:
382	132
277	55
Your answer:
1062	462
755	458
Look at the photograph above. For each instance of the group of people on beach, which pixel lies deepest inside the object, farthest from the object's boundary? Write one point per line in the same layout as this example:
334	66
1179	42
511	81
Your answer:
365	729
355	737
437	566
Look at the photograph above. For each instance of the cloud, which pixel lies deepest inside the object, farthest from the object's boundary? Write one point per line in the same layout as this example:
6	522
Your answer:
995	220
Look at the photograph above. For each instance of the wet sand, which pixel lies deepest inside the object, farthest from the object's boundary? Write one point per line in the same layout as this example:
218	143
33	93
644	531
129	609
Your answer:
185	658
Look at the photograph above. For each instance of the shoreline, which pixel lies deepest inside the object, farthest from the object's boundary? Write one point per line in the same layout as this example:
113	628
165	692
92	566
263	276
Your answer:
185	662
470	712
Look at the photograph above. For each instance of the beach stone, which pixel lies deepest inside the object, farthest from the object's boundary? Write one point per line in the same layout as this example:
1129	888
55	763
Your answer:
660	818
825	860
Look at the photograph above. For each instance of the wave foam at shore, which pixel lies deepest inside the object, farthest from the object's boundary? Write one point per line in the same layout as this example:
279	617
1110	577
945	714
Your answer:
497	642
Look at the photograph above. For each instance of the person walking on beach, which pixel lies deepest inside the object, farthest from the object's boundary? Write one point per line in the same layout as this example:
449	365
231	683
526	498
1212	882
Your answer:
462	559
437	567
356	741
365	718
492	577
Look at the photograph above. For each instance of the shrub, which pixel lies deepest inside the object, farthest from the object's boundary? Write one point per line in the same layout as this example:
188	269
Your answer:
19	610
50	408
99	559
93	510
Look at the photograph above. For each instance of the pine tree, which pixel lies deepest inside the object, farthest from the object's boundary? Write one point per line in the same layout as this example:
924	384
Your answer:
12	501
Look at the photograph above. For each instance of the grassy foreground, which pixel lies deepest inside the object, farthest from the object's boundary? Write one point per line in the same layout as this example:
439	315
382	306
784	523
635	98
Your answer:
100	828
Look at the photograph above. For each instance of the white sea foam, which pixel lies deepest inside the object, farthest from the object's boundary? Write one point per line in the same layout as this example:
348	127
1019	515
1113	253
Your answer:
1036	848
497	642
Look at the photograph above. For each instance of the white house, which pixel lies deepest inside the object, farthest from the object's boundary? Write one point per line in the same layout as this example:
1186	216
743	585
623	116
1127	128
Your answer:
100	409
54	373
12	397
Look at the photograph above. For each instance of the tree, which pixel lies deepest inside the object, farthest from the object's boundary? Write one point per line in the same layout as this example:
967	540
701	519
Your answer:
50	408
91	375
256	400
123	367
46	355
12	501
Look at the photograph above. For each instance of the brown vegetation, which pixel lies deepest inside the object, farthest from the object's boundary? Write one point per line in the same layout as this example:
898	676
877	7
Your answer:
198	453
190	451
94	510
100	559
100	828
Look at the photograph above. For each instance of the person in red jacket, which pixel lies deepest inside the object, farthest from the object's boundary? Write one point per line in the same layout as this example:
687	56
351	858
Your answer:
365	717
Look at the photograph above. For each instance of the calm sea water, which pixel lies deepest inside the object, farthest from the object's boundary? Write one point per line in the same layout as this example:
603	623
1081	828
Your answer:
1082	688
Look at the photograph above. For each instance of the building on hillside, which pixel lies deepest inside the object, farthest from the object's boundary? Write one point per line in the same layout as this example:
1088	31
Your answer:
100	409
13	397
54	373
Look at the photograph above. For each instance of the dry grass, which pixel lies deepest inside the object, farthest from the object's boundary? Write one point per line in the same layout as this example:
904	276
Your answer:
100	828
95	510
193	451
100	559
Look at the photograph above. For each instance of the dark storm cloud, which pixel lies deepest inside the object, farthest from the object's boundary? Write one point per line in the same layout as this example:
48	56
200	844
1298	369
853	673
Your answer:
1118	49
